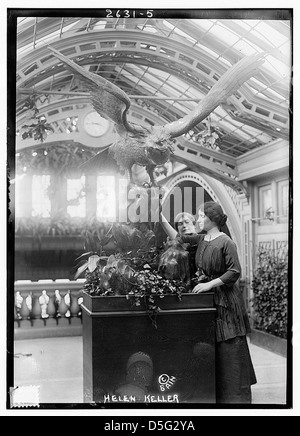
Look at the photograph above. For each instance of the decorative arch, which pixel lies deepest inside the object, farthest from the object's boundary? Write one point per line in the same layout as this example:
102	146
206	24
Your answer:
218	193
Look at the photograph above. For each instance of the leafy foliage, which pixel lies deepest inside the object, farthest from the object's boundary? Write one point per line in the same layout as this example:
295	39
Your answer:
270	289
60	224
39	128
134	272
211	136
63	158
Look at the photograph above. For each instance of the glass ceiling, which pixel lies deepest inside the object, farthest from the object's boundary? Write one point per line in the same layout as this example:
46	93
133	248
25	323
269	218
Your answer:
171	84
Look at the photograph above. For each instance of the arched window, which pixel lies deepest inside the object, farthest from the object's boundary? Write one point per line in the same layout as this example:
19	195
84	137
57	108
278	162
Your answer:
106	198
41	205
76	197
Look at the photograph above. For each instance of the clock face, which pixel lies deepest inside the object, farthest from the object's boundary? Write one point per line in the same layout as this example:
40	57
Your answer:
95	125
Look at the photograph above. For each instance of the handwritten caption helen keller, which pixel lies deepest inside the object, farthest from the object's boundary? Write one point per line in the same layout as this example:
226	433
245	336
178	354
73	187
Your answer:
147	399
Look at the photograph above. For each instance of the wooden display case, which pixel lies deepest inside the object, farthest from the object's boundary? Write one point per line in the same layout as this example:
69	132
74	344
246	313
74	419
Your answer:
128	360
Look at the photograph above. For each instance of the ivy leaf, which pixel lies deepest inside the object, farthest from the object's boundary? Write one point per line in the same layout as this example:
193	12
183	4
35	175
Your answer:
81	269
84	254
93	262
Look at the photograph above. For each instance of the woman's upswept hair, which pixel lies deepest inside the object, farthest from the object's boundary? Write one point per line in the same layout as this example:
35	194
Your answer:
214	212
181	216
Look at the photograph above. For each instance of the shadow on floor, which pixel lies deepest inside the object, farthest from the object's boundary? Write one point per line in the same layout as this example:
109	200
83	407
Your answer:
56	366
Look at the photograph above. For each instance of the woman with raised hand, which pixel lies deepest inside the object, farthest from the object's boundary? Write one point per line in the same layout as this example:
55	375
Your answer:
218	271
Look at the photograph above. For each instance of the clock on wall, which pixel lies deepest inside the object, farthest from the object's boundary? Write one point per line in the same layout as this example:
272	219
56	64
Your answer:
95	125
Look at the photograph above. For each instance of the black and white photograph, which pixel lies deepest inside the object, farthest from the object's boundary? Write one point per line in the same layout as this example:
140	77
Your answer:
149	211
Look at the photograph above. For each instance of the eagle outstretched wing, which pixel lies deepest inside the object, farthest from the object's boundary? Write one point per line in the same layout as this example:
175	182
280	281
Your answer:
112	102
108	99
151	147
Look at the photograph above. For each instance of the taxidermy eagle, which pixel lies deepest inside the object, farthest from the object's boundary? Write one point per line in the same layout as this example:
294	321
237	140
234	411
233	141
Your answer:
152	146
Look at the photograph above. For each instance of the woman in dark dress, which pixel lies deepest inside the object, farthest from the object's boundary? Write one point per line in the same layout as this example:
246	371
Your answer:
219	270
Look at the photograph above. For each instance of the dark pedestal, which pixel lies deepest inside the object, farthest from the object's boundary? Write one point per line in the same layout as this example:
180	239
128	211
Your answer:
127	360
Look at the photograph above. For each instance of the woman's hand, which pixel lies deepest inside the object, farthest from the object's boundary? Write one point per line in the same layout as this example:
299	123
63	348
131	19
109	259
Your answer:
202	287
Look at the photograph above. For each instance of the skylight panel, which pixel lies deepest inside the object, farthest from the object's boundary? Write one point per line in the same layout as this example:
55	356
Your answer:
148	28
269	95
244	135
251	23
276	96
139	69
184	35
152	79
243	24
233	122
285	49
225	61
99	25
214	119
69	27
266	32
168	24
205	25
131	77
178	84
246	48
130	69
170	91
147	86
221	112
38	43
259	85
212	53
159	93
224	34
184	108
276	66
228	127
27	20
263	137
193	93
24	24
159	74
251	130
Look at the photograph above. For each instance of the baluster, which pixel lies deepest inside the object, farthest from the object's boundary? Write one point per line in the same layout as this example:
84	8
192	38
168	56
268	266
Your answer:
44	299
52	307
17	306
68	303
80	301
16	317
24	310
74	306
57	300
36	311
62	308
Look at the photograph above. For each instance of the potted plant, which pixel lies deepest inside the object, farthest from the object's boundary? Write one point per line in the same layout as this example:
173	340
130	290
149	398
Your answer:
270	287
59	232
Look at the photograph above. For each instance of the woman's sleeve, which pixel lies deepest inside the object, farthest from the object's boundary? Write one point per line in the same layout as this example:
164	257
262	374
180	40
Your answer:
233	267
190	239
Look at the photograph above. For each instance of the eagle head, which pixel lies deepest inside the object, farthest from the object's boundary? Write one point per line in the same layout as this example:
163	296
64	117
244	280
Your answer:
158	147
158	155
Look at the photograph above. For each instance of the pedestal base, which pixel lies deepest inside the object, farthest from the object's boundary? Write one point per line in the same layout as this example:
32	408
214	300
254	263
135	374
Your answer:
128	360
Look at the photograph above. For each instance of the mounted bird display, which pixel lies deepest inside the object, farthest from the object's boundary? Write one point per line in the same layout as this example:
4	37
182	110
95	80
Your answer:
152	146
